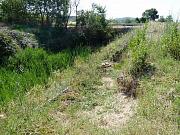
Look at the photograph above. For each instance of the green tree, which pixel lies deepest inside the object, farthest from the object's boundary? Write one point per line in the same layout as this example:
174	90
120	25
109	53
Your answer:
93	24
143	20
14	11
44	12
150	14
93	19
169	18
128	20
162	19
137	20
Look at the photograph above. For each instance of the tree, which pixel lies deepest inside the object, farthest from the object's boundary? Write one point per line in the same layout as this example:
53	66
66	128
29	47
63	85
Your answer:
169	18
143	20
44	12
162	19
128	20
93	24
151	14
14	11
95	18
137	20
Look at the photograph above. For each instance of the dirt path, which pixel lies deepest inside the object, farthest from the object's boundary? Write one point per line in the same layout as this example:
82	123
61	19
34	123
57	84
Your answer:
116	111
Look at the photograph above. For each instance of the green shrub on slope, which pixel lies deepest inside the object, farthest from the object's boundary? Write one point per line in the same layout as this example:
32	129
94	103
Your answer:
171	41
12	41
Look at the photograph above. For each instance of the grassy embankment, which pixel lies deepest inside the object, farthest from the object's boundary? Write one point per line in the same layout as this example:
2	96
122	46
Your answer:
56	107
31	67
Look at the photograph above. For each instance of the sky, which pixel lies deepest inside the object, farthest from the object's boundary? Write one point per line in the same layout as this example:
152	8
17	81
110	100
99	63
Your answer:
134	8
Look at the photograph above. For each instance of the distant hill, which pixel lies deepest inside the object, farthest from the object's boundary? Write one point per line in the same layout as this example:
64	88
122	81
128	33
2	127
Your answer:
125	20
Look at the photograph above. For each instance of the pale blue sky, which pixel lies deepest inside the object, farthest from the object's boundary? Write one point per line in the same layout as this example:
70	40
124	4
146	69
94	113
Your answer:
134	8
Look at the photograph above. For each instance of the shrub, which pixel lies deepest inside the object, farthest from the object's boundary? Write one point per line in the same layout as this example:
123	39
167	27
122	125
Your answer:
7	47
22	39
171	40
139	60
12	41
139	53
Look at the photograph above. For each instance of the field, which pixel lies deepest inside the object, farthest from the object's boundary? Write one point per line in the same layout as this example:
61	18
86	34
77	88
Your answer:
66	71
129	86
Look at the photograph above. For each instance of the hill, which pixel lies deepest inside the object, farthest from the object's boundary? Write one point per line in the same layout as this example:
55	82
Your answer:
125	20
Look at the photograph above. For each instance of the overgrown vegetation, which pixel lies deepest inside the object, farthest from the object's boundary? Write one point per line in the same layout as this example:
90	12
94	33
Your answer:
12	41
139	54
57	108
37	12
93	25
50	87
171	40
31	67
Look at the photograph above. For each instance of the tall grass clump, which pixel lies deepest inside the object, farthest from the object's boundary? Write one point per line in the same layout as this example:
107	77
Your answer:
31	67
171	40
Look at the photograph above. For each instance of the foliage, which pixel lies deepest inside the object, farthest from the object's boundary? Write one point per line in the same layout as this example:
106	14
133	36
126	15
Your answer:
171	40
139	53
44	12
30	67
93	24
151	14
95	17
7	47
169	18
14	11
162	19
137	20
12	41
41	110
141	20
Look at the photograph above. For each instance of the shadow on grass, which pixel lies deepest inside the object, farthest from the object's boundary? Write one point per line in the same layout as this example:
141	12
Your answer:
55	40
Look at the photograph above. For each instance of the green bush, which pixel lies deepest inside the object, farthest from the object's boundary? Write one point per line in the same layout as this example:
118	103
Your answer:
12	41
7	47
139	59
171	40
139	53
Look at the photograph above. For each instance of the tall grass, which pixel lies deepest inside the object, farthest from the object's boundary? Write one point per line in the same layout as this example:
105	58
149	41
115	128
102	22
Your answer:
31	67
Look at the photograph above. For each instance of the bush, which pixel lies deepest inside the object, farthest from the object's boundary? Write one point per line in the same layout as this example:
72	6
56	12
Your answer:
171	40
139	60
22	39
7	47
12	41
139	53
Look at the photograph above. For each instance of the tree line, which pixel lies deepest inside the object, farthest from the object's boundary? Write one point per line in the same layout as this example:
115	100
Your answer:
41	12
152	15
